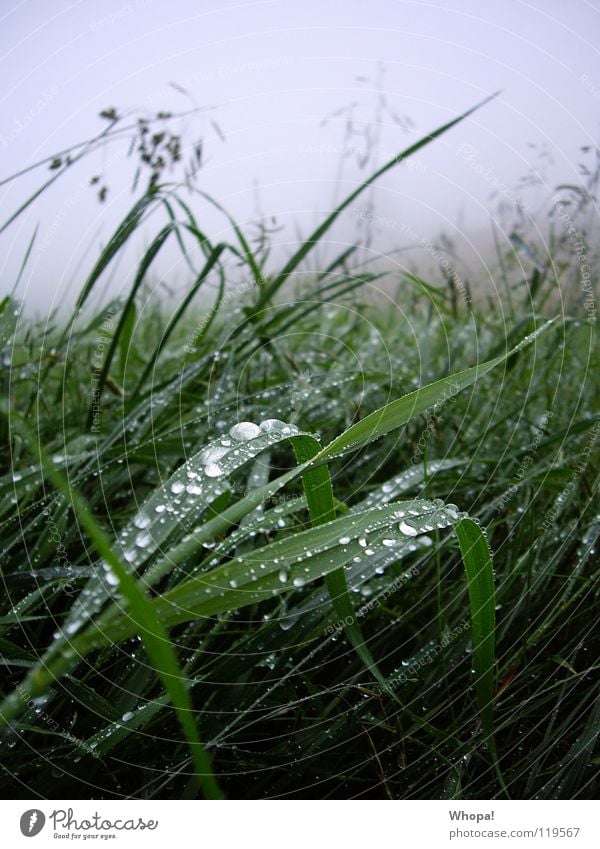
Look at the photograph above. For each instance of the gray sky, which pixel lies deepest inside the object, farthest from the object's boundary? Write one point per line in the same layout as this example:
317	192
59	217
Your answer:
273	70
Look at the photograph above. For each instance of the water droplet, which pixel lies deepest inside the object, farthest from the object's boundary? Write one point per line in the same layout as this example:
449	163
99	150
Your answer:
243	431
213	454
143	539
407	529
270	425
141	521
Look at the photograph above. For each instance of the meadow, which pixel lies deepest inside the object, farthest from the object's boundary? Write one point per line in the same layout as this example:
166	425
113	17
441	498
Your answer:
296	542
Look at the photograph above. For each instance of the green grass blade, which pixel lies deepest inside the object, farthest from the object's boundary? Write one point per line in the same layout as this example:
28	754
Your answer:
303	557
174	321
269	291
144	265
477	559
319	496
246	249
179	237
128	226
129	319
141	614
403	410
25	259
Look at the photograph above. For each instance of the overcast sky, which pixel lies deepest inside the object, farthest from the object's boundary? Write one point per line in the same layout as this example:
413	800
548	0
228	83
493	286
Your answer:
271	71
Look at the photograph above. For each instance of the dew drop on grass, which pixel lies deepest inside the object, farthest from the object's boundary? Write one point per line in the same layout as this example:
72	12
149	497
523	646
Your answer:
407	529
213	454
143	539
298	582
283	576
213	470
141	521
243	431
270	425
177	487
344	540
127	716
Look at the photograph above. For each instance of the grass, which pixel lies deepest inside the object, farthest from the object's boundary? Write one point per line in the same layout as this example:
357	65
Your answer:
301	547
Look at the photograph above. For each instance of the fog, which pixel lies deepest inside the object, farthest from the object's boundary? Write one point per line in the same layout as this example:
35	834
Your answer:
266	75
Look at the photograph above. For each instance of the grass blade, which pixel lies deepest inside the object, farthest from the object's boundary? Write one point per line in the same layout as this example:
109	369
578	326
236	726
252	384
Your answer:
118	239
477	559
208	267
402	411
142	615
319	496
145	264
269	291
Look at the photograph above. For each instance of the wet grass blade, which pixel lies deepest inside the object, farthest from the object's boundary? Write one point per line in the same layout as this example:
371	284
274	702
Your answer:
278	567
319	496
477	560
400	412
140	611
